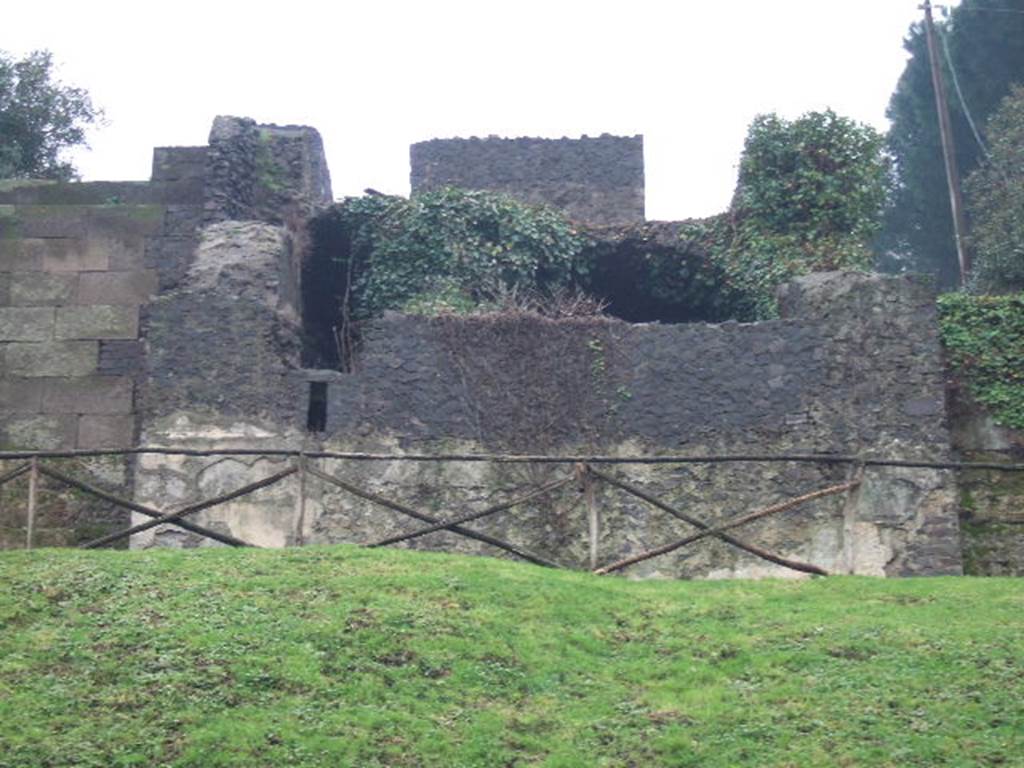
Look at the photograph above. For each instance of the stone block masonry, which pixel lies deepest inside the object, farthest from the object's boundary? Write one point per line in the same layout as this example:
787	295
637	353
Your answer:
77	281
75	275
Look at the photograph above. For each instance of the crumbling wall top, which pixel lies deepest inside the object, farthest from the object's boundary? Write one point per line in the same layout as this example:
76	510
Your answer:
597	180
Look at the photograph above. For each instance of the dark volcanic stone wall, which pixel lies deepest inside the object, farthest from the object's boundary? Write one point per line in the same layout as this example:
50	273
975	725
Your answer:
863	371
272	173
854	367
595	180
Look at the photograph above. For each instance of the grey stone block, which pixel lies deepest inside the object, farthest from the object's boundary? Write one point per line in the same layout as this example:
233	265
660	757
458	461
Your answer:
33	289
52	358
52	221
39	432
5	289
26	323
70	254
93	395
122	251
97	322
15	257
10	227
98	432
20	396
125	222
125	288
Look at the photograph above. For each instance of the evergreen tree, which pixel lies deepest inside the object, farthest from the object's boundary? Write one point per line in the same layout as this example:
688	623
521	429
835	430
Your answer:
985	39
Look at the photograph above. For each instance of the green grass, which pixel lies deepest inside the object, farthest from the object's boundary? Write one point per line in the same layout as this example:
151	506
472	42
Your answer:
349	657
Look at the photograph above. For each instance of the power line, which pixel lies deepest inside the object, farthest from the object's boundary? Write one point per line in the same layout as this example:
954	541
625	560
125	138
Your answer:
947	8
948	148
960	95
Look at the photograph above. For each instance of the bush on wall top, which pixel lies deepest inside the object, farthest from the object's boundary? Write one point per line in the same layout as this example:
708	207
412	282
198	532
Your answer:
809	198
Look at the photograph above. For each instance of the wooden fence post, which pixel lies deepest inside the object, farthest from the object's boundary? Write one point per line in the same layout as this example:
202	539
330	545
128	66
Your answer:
593	522
33	491
300	503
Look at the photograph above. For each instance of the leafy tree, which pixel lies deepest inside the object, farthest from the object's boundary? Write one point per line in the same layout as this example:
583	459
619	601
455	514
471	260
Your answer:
995	195
809	198
39	118
986	47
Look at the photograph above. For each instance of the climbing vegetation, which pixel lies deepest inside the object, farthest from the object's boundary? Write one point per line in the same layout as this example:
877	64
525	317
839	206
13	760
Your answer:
446	250
984	337
809	198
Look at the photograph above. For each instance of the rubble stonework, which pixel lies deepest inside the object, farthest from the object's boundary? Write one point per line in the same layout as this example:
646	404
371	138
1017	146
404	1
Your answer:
169	314
597	180
854	367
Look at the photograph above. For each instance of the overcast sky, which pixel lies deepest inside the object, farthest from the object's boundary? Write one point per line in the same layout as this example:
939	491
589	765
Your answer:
374	77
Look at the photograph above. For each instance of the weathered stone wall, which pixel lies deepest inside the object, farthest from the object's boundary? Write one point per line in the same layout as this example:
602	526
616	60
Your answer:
82	268
169	313
78	264
277	174
222	368
991	501
595	180
854	367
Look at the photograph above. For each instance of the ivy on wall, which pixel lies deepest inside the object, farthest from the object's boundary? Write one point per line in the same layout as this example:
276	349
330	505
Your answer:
984	337
446	250
457	251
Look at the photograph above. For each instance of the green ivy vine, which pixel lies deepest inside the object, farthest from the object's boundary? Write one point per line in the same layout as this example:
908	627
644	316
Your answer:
448	250
984	338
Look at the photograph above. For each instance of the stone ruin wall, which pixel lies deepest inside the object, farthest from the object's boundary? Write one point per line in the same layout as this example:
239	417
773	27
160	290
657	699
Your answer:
597	180
81	268
78	265
853	366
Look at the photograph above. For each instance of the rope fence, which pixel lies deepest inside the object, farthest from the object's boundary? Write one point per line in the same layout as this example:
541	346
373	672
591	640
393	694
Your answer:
583	473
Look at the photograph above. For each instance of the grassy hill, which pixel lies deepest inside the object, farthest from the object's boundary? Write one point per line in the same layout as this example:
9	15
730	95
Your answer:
347	657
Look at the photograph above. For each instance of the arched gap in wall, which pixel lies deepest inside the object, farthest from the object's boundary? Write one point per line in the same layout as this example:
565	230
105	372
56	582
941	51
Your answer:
645	272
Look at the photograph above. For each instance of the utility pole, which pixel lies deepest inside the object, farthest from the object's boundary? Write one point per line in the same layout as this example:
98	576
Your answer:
956	202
